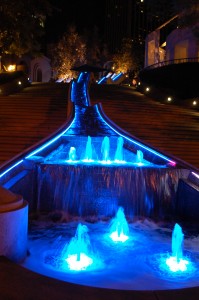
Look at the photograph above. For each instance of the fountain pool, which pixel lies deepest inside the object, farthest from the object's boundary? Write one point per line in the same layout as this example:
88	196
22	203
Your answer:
139	263
75	181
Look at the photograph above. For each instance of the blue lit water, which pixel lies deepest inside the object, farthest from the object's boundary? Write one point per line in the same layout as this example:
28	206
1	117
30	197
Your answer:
137	264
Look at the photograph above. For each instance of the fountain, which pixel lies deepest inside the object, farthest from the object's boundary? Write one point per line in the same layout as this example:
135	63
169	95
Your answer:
176	262
72	154
177	242
90	194
119	228
77	253
105	148
89	152
139	157
119	150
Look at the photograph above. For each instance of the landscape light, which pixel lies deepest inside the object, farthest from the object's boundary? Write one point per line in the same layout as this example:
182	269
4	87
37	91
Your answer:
11	68
194	102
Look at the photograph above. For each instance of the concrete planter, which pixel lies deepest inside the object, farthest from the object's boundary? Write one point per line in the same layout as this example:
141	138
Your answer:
13	226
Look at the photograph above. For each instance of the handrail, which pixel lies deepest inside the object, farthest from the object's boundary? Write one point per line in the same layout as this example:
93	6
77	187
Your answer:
170	62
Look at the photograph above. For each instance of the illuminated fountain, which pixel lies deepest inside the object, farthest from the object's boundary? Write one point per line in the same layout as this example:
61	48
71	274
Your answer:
77	253
176	262
72	154
89	151
105	149
88	189
139	158
119	156
119	227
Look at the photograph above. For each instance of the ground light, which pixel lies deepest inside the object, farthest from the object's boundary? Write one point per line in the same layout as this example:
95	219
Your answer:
169	99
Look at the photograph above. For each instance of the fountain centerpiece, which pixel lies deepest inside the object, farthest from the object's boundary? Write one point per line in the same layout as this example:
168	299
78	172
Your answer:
150	185
78	254
176	262
119	228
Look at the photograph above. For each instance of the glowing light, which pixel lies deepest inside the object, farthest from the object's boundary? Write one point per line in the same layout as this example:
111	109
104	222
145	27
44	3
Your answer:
118	238
117	161
176	262
79	250
175	265
72	161
147	89
116	76
105	162
169	99
72	154
11	68
139	164
196	175
19	82
12	167
88	160
194	103
119	227
78	264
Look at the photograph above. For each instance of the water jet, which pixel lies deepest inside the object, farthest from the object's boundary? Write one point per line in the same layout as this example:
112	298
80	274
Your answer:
63	193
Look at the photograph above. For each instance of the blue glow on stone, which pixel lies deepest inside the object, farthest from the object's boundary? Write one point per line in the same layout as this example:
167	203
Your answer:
12	167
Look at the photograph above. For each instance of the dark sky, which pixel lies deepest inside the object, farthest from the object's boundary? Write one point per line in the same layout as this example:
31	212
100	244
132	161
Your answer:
85	14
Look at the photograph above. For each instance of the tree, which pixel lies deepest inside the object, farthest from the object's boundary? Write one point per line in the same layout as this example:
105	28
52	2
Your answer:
68	52
123	60
22	25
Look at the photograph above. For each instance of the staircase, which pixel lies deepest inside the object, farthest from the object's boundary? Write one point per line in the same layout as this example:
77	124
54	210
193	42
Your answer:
29	116
39	110
166	127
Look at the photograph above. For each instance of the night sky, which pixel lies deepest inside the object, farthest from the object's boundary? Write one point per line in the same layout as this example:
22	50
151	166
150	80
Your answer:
85	14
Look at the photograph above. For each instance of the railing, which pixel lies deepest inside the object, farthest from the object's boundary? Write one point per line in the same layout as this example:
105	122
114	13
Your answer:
171	62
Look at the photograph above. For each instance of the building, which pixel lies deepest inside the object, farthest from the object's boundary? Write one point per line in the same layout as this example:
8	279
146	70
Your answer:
180	45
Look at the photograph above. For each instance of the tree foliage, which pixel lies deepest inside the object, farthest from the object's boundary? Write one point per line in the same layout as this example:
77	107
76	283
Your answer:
123	60
68	52
22	25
